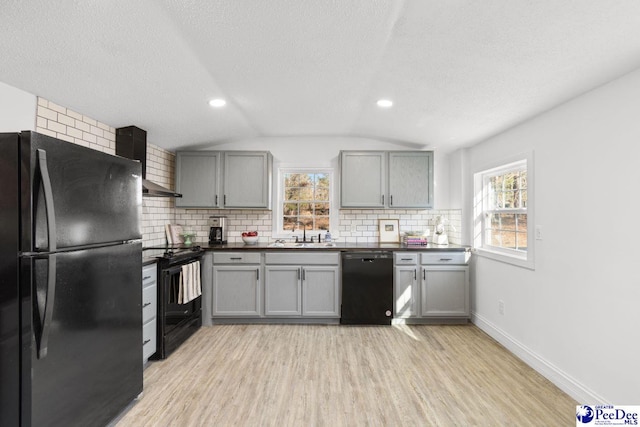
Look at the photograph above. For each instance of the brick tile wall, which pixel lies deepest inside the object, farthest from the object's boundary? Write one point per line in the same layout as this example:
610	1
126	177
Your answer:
62	123
158	211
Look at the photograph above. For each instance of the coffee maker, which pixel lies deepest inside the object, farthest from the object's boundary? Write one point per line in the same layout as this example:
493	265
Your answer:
217	230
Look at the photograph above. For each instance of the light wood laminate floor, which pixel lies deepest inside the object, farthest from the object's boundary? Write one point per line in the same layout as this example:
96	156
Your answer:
312	375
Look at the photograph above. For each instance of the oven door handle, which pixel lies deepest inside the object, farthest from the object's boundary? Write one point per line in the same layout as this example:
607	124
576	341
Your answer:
173	270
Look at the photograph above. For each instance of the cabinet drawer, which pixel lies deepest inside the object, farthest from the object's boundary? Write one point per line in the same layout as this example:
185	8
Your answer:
236	258
306	258
149	303
443	258
404	258
148	339
149	275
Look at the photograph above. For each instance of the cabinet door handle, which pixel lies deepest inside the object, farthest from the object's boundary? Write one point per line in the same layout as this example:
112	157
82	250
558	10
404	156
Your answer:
145	342
383	199
298	274
405	259
424	274
257	274
146	304
391	200
236	258
216	200
145	278
224	198
303	275
415	277
446	259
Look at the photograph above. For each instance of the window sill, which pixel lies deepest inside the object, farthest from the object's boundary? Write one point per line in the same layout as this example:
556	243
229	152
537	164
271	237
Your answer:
522	262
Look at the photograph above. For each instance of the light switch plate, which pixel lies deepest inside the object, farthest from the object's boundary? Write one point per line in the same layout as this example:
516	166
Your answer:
538	232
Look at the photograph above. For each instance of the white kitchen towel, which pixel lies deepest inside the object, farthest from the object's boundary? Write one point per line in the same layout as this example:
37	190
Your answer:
190	285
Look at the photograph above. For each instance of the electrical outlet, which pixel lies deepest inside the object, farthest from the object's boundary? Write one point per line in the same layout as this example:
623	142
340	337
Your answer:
538	232
501	307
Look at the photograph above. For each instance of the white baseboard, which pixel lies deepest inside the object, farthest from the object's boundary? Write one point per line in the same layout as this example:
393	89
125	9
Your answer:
563	381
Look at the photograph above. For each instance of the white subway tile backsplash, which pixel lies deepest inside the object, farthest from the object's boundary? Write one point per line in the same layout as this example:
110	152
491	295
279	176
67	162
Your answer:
56	127
89	137
47	113
74	115
56	107
90	121
85	127
66	120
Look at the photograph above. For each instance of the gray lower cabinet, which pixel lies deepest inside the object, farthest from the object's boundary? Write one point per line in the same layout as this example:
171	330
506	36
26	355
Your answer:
445	291
282	290
433	286
237	284
310	288
406	285
321	291
149	310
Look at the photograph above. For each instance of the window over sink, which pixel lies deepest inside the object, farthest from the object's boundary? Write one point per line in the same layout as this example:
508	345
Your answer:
304	200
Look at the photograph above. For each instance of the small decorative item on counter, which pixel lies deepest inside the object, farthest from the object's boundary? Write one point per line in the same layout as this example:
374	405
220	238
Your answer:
439	233
188	237
250	237
175	234
327	237
412	238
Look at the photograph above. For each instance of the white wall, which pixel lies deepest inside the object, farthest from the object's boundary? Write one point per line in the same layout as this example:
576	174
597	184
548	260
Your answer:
576	318
17	109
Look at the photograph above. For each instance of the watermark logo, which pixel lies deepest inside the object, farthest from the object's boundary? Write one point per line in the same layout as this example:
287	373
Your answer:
584	414
607	415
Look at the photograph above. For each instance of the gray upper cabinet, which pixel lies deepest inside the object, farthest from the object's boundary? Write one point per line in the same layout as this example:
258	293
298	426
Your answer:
411	179
362	179
381	179
197	179
224	179
247	179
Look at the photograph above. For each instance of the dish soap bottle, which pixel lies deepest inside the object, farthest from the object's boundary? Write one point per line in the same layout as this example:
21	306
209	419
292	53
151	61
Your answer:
327	237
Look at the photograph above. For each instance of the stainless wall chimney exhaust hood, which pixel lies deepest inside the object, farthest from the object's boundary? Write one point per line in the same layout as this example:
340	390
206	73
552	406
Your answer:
131	142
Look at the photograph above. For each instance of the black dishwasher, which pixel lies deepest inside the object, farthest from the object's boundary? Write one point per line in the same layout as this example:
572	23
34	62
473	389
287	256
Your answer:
367	288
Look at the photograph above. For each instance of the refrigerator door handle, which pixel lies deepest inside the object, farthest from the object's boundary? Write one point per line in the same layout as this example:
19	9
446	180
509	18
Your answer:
48	200
48	308
43	310
42	341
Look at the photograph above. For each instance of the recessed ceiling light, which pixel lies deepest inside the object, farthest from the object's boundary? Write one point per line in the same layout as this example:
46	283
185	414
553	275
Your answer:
384	103
218	102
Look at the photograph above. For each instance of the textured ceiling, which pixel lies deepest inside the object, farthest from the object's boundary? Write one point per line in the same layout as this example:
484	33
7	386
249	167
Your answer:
457	71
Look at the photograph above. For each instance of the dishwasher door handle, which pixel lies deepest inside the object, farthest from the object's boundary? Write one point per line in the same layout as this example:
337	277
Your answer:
367	259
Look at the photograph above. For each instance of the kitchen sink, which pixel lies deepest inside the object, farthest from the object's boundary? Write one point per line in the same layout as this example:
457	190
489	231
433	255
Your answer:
294	245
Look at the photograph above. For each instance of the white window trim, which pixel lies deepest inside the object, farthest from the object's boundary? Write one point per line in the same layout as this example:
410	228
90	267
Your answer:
278	232
520	259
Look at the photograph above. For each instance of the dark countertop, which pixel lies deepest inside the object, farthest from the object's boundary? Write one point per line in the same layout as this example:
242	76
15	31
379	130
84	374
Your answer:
352	247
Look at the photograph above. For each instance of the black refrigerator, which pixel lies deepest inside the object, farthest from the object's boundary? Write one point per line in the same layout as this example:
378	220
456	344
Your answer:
70	283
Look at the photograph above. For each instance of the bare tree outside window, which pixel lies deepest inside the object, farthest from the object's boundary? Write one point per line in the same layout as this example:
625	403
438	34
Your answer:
306	201
506	210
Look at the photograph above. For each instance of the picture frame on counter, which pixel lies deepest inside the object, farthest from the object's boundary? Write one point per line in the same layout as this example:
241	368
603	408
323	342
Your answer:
389	230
